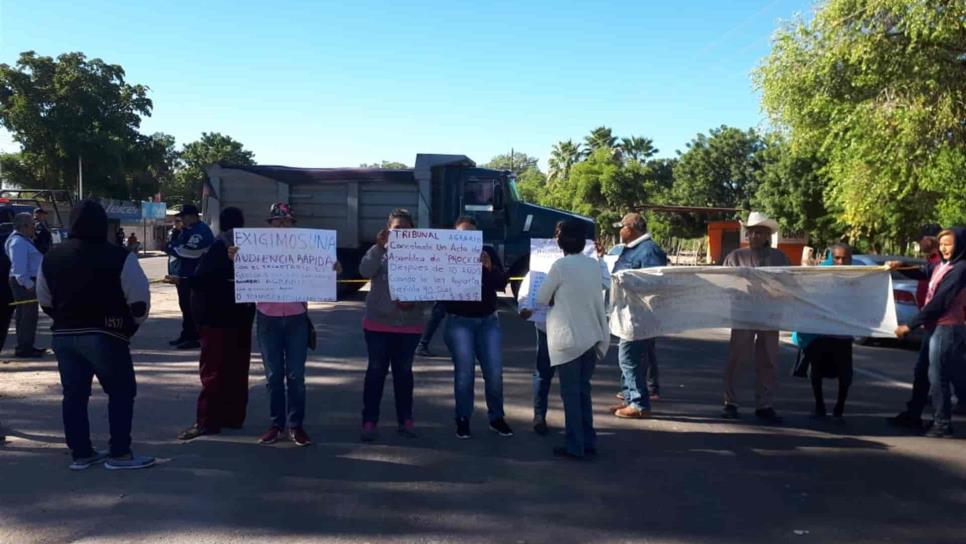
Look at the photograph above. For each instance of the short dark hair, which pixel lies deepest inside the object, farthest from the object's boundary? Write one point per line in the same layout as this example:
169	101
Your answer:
931	229
401	213
465	219
841	245
231	218
570	236
638	223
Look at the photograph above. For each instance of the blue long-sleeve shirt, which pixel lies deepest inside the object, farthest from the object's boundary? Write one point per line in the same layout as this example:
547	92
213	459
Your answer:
24	259
188	249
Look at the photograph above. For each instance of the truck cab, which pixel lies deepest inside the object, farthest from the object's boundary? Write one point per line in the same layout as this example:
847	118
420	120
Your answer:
491	197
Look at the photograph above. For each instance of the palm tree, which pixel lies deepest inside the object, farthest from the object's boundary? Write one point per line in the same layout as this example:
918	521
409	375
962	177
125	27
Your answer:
599	138
562	158
637	148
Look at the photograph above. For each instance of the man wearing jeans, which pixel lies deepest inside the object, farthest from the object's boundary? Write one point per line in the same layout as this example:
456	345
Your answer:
97	296
24	263
637	358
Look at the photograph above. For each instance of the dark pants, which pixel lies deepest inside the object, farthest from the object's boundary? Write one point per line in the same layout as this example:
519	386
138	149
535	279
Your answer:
189	330
284	342
389	350
6	312
920	379
79	359
947	356
26	317
226	354
830	358
542	377
578	406
439	312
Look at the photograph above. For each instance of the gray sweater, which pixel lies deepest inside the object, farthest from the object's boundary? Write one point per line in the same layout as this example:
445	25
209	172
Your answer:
380	307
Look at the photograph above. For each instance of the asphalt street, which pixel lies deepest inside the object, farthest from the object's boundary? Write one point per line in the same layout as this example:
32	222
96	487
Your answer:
683	476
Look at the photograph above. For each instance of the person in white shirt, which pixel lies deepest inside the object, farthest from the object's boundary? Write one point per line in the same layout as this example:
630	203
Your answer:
577	335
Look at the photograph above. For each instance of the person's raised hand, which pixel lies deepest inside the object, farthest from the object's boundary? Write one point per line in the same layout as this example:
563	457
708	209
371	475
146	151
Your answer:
382	238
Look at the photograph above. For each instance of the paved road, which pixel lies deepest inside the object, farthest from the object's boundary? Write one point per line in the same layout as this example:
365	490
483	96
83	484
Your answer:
685	476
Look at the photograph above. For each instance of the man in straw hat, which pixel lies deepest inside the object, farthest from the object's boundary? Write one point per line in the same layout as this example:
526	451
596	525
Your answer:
760	345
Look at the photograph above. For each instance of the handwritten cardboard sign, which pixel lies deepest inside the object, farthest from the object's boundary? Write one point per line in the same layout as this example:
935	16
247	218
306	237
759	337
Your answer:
285	265
543	253
435	264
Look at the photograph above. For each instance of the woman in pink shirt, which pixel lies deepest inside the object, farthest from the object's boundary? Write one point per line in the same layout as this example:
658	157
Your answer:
392	331
282	329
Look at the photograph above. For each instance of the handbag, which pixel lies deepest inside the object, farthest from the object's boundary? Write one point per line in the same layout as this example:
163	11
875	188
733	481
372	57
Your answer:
313	338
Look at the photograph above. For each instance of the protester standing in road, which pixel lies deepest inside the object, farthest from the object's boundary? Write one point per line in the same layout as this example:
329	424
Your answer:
944	312
42	237
283	336
758	345
829	356
473	333
392	329
637	358
186	251
24	264
98	296
577	335
543	371
7	214
226	335
435	318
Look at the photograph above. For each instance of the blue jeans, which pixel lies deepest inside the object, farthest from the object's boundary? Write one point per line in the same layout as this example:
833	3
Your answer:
439	312
389	350
578	406
284	343
81	357
542	377
636	357
470	339
947	349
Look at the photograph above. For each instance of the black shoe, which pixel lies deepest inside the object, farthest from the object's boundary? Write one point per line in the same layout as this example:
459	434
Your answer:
423	351
561	451
905	420
500	426
463	428
768	415
730	411
176	341
540	426
940	431
189	344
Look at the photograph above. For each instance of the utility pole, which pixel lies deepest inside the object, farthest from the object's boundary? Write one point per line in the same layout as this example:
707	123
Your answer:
511	159
80	178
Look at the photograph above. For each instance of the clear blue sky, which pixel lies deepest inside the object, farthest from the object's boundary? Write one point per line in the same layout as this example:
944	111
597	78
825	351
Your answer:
340	83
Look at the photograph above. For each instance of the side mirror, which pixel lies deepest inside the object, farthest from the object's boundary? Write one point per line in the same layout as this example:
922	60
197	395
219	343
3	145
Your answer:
497	197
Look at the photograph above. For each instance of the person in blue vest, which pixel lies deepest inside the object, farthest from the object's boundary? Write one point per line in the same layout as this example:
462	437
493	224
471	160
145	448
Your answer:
186	252
637	358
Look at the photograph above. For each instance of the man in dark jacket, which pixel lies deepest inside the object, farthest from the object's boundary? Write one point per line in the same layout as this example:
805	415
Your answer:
187	250
226	335
97	296
42	237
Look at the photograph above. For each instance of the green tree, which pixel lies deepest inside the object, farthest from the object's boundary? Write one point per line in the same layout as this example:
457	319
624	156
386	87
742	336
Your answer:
600	138
212	148
793	190
517	162
532	184
637	148
563	157
721	169
878	87
69	107
385	165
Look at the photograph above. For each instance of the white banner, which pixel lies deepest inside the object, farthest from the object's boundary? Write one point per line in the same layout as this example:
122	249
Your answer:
840	300
285	265
435	264
543	253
